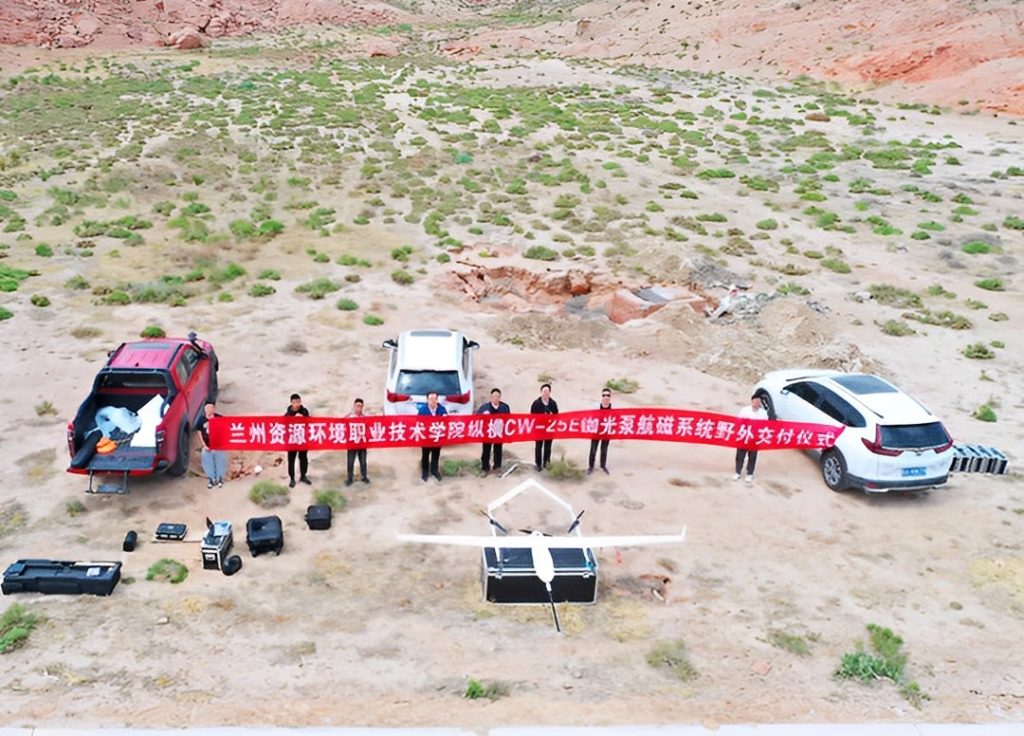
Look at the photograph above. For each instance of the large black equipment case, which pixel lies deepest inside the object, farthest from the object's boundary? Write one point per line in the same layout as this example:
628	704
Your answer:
515	579
319	516
52	576
264	534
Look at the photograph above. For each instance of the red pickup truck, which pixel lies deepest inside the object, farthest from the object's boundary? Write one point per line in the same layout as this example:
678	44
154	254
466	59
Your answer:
143	407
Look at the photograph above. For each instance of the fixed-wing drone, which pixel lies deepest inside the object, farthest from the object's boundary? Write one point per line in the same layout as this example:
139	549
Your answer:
502	556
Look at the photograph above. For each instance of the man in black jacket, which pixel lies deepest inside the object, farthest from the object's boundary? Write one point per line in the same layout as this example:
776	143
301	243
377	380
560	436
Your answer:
295	408
543	404
494	406
605	405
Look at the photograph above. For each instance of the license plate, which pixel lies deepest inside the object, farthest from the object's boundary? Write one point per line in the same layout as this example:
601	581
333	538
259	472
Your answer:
912	472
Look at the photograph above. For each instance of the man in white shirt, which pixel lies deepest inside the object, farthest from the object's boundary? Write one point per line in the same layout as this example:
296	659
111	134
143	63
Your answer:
754	411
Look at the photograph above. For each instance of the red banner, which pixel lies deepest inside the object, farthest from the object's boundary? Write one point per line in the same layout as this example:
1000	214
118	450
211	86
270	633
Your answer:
665	425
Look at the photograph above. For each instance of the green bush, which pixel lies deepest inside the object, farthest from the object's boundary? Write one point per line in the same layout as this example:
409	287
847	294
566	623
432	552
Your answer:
261	290
672	656
976	246
453	467
5	313
1013	223
318	288
768	224
270	274
16	624
402	277
985	413
152	331
979	351
44	250
372	320
834	264
562	469
622	385
897	328
168	570
991	284
332	498
75	508
268	494
38	300
541	253
492	691
347	305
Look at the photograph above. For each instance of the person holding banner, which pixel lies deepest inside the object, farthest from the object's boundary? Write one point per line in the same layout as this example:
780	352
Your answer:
606	404
754	411
295	408
430	457
543	404
359	452
494	406
215	462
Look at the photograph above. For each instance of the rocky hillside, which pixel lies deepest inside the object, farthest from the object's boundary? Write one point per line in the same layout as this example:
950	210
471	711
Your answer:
967	54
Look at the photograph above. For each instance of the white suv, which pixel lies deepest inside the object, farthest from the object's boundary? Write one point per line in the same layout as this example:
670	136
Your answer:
890	441
429	360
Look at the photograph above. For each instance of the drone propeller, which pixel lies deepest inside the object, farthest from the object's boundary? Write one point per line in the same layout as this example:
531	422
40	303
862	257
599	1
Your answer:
494	522
576	522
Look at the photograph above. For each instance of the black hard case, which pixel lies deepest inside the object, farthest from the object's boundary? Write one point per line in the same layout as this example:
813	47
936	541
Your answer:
53	576
264	534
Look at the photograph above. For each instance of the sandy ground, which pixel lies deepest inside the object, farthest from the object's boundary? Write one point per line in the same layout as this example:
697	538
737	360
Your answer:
349	627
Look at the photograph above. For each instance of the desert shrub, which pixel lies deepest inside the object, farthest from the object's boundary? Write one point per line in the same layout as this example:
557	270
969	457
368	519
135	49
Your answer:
268	494
258	290
318	288
16	624
897	328
835	264
152	331
1013	223
985	413
622	385
979	351
492	691
562	469
270	274
75	508
454	466
792	643
990	284
894	296
44	250
330	497
5	313
372	320
976	246
672	656
541	253
401	277
45	408
347	305
402	254
769	224
944	318
38	300
791	287
167	570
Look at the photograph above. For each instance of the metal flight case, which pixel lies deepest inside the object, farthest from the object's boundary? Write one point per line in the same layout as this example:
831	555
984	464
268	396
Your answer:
514	579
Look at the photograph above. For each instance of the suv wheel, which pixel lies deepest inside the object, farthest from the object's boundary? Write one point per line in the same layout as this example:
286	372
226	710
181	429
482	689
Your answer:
833	470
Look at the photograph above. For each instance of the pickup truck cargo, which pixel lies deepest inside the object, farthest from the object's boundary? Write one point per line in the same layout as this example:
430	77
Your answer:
144	404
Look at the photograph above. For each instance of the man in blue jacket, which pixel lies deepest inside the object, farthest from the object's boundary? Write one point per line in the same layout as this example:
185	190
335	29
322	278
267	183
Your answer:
431	456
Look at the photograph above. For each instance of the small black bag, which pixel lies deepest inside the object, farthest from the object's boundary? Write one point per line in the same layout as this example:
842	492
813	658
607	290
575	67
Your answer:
319	516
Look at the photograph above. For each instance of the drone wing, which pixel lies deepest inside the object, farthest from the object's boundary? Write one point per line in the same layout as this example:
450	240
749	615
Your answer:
541	542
